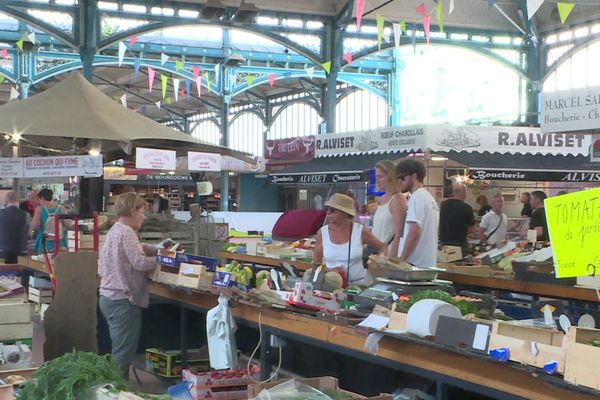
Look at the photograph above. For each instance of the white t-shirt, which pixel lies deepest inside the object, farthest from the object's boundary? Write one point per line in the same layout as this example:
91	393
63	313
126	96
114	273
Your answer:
425	212
489	222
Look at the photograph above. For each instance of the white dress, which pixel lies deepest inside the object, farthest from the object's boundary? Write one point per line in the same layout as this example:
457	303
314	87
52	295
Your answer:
336	256
383	222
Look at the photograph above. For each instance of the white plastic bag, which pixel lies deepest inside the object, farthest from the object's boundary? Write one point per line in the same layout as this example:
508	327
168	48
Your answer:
220	328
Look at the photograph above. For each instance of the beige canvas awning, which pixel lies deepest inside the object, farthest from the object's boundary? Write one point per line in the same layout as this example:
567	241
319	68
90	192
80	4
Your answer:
76	109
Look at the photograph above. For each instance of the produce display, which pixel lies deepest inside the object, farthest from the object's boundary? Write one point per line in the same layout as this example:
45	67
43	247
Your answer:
242	274
465	305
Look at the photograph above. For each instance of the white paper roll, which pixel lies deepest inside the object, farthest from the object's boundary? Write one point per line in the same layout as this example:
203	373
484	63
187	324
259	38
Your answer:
424	314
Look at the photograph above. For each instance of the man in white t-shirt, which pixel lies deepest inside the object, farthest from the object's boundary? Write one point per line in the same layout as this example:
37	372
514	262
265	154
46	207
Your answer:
419	244
492	228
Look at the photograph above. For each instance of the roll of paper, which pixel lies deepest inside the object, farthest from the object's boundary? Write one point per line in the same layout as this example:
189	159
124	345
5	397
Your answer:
423	316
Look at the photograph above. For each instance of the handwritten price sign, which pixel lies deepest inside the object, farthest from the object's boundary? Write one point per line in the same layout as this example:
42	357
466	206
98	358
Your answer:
574	227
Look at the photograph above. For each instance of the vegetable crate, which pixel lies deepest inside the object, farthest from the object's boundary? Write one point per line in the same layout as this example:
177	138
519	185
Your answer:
223	385
530	345
583	357
168	363
40	296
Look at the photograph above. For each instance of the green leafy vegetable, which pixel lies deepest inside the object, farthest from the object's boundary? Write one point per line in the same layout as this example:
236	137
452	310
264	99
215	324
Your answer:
464	306
70	376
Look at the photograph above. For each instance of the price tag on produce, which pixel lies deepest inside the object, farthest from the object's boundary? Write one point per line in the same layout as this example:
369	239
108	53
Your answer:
574	227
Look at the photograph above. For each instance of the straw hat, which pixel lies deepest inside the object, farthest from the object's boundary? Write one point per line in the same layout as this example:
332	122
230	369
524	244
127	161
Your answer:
342	202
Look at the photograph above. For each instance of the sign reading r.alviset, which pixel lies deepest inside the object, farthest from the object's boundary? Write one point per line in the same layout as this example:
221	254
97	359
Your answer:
570	110
155	159
574	227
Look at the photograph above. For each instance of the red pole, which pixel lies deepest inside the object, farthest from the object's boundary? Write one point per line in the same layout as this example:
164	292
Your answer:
76	233
56	233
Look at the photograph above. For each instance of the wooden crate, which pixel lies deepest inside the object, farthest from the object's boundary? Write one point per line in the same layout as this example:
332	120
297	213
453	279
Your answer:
583	359
86	242
551	344
16	331
15	313
40	296
165	274
194	276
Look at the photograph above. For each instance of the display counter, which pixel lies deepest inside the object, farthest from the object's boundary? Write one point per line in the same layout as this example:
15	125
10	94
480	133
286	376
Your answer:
447	367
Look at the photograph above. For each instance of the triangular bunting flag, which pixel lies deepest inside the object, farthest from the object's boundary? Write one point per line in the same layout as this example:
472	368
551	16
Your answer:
178	65
359	6
207	78
151	74
348	58
157	104
426	26
403	26
195	71
163	58
31	37
132	40
4	53
124	99
182	92
188	87
198	80
271	79
1	79
169	101
564	9
413	37
327	67
451	7
397	33
422	10
122	50
439	10
176	88
380	23
136	67
310	71
532	7
165	81
20	44
217	72
249	80
14	93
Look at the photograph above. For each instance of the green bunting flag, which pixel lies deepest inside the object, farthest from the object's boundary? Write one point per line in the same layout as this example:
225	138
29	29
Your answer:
327	66
20	44
564	9
250	80
164	80
439	10
380	23
178	65
207	78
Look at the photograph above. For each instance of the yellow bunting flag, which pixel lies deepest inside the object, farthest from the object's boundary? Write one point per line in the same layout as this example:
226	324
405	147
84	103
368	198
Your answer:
439	10
169	100
178	65
380	23
573	220
1	79
564	10
327	66
207	78
164	80
249	80
20	44
403	26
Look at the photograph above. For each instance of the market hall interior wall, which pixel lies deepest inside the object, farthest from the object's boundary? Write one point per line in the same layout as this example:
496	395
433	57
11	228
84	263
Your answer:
257	194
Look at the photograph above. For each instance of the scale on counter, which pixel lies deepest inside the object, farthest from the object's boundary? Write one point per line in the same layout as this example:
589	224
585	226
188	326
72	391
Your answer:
386	291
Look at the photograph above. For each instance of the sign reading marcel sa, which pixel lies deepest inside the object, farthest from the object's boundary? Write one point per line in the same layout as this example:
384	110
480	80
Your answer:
570	110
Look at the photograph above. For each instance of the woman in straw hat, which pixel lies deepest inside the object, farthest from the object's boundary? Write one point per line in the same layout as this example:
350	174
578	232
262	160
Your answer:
340	242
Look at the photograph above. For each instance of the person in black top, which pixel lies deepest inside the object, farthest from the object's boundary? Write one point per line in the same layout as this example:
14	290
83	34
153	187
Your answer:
456	219
484	206
527	210
13	229
538	217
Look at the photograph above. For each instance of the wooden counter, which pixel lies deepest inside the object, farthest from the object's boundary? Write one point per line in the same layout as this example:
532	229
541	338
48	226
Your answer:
273	262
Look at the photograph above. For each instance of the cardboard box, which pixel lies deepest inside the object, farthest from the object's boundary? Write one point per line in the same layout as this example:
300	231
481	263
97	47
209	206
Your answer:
15	313
16	331
39	283
473	336
530	345
583	359
327	383
168	363
225	385
450	254
195	276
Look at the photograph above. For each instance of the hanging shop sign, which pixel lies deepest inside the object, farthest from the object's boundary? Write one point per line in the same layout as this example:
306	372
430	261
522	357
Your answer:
11	167
570	110
505	139
298	147
155	159
595	148
573	221
480	174
204	161
43	167
166	178
325	177
374	141
229	163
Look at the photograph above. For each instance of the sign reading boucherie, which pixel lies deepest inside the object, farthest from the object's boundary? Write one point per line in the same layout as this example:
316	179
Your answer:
570	110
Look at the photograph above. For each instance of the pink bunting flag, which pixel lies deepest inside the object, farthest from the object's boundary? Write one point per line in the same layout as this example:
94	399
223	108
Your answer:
271	79
195	71
426	26
4	53
422	10
151	74
132	40
348	58
198	80
360	9
182	92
